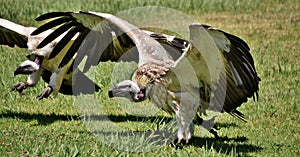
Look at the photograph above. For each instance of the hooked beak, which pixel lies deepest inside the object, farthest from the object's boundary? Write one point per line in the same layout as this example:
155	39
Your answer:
119	91
29	66
24	70
136	97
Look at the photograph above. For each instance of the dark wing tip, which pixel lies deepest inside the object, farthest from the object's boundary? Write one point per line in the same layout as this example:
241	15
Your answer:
52	15
51	24
229	36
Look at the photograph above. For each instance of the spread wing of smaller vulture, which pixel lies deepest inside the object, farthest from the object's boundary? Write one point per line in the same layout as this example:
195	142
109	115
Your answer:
186	85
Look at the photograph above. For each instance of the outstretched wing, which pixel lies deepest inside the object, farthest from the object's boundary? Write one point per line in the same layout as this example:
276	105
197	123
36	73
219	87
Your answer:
241	76
13	34
237	53
220	66
199	68
95	38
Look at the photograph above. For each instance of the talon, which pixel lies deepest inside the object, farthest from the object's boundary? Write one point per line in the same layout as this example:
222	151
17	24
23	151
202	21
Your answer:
20	87
45	94
178	143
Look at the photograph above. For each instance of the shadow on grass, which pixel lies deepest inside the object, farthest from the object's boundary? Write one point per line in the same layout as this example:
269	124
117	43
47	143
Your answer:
226	145
236	146
43	119
125	118
223	145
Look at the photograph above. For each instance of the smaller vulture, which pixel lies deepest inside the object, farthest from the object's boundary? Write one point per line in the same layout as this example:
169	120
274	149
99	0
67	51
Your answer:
74	40
38	64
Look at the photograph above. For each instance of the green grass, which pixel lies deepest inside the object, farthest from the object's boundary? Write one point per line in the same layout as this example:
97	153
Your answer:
52	127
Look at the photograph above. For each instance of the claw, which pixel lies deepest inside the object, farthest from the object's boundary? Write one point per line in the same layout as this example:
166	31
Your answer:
20	87
178	144
45	94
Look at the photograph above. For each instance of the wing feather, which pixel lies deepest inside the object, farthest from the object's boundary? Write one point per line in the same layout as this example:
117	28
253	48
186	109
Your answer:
242	79
87	21
13	34
51	15
50	25
63	42
74	47
54	34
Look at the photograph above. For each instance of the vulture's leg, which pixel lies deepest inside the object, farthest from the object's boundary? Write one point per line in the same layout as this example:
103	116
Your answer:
54	85
184	115
178	143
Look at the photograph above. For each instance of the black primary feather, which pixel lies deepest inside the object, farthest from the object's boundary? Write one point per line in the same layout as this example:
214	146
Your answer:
62	43
51	15
50	25
74	47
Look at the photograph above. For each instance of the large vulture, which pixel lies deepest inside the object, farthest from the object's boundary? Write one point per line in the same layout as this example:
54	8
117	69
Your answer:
215	71
38	64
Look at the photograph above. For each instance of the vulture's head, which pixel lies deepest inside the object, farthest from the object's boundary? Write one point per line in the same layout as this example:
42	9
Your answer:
28	66
130	90
144	79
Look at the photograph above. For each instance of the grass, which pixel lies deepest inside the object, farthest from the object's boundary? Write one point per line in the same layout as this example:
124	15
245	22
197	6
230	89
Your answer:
52	127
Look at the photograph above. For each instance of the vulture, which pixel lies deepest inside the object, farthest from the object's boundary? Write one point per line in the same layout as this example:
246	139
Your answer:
75	42
38	65
214	71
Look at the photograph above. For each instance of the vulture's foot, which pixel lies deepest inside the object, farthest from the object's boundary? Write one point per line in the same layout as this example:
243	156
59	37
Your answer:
45	94
20	87
181	142
178	144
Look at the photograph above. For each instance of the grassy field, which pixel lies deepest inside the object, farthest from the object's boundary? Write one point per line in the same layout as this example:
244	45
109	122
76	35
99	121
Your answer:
52	127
